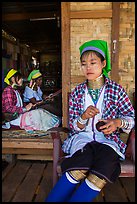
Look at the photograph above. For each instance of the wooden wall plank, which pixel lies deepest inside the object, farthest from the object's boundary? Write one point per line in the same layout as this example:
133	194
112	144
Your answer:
91	14
115	40
65	35
35	157
25	15
39	145
27	151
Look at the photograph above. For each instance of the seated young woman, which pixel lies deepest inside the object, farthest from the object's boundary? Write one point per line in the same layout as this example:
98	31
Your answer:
93	153
26	118
34	94
12	104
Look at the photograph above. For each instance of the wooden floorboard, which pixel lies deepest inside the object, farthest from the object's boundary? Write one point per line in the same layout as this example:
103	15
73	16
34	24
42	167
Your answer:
114	192
45	185
31	181
129	187
28	187
13	180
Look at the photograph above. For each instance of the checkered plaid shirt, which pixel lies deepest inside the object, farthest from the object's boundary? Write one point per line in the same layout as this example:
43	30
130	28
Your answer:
9	100
116	105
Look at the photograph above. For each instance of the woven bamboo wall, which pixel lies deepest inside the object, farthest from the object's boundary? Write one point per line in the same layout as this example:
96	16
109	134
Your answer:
127	47
82	30
77	6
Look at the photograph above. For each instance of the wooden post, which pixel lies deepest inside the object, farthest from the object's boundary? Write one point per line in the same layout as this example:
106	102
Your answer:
66	69
115	41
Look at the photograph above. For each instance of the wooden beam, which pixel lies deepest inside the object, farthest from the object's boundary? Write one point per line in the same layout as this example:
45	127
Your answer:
27	151
66	69
91	14
27	16
35	157
21	144
115	41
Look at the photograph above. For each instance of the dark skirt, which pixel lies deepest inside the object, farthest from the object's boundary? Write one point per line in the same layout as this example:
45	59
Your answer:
97	158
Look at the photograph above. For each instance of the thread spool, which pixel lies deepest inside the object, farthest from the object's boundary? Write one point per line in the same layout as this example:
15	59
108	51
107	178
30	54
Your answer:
99	124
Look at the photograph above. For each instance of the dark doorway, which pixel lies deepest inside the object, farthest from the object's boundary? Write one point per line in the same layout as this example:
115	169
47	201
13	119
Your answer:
36	25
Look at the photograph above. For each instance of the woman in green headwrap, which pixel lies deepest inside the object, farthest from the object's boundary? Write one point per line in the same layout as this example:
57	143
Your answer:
93	149
33	92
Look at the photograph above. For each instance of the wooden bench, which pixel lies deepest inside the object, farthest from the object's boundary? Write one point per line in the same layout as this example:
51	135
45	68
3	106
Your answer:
42	145
17	144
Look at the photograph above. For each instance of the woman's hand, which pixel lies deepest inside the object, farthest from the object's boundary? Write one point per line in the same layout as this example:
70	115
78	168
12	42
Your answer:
90	112
110	125
29	106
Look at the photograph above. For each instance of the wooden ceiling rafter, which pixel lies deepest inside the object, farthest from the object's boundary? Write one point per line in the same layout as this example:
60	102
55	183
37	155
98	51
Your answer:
16	20
27	16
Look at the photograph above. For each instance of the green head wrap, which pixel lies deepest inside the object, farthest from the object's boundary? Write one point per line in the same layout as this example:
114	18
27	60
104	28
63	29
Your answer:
100	46
34	74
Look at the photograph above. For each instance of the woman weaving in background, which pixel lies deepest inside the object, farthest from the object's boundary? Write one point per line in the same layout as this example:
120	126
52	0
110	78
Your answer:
34	94
12	105
24	117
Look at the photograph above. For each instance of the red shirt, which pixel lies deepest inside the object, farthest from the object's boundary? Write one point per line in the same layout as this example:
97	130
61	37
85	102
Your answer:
9	101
